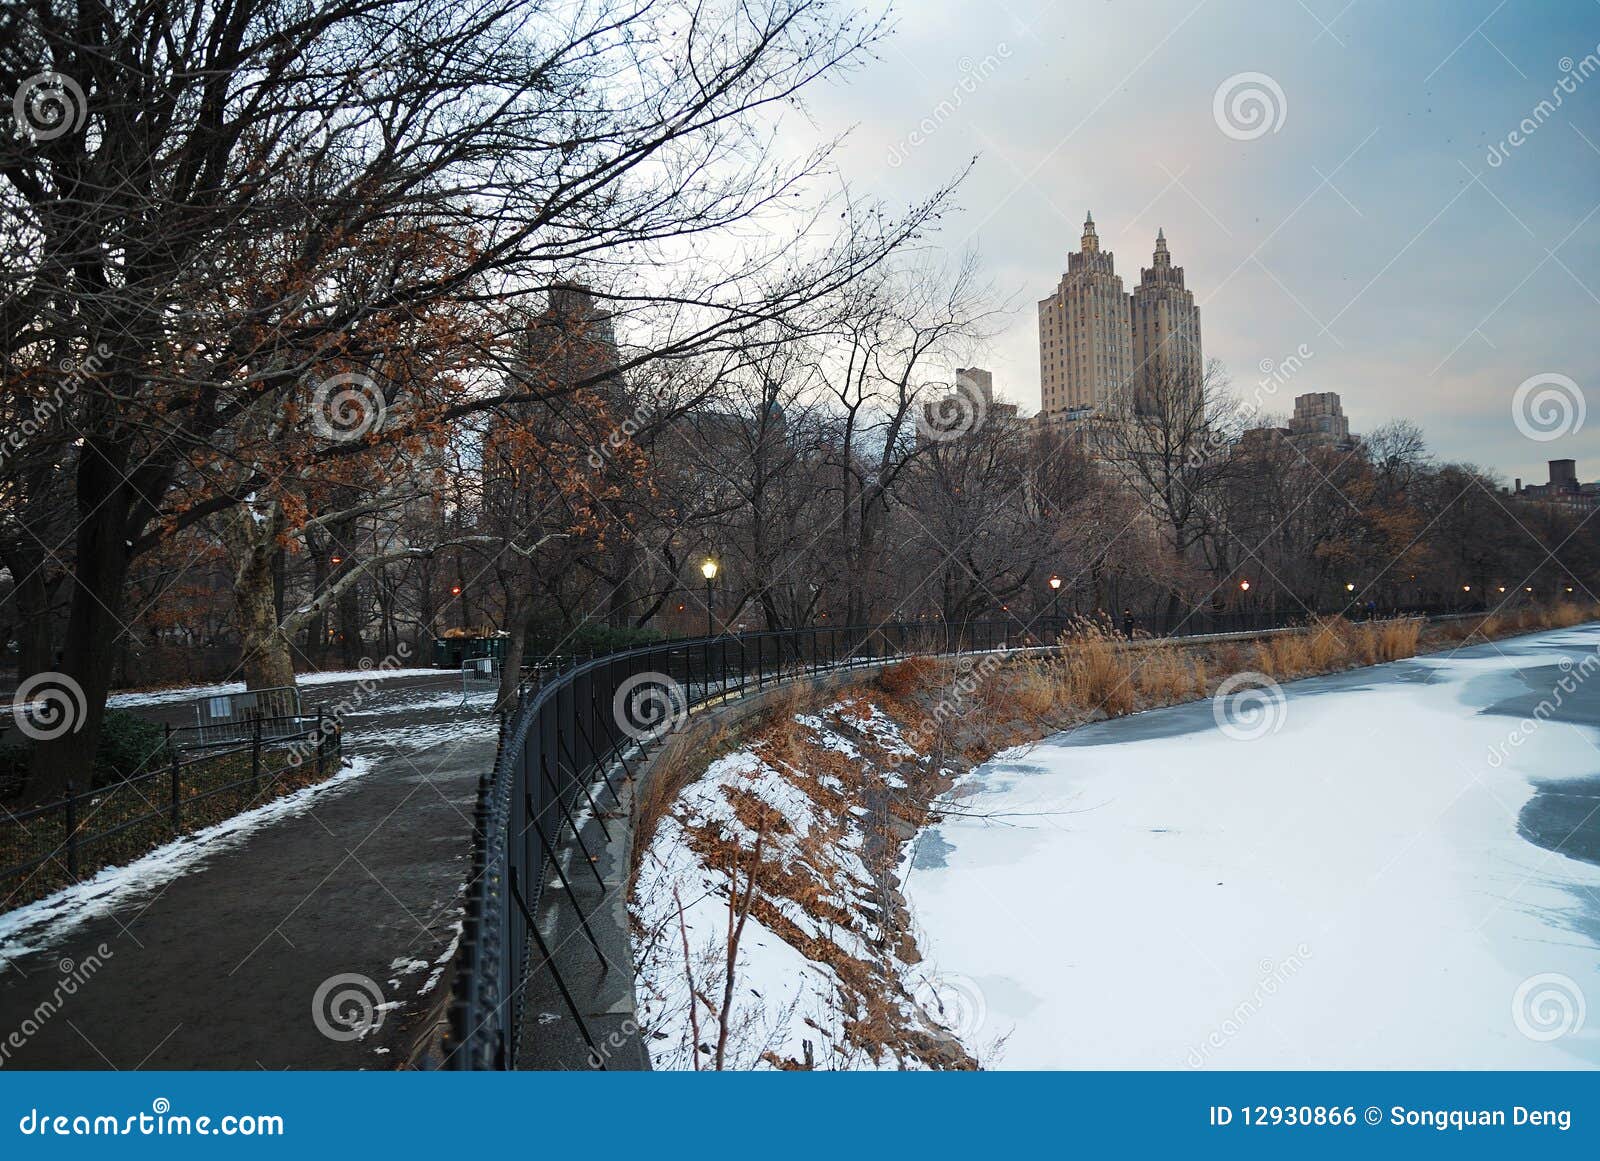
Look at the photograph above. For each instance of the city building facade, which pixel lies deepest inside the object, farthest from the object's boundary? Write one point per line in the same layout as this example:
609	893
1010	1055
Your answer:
1165	325
1085	333
1563	489
1319	421
1103	351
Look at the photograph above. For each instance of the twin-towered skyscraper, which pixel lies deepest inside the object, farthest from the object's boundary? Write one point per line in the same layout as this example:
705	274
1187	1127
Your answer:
1104	351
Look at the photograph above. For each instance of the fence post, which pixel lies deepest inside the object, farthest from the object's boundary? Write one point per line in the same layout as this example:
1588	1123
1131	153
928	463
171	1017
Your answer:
177	810
70	804
255	759
322	747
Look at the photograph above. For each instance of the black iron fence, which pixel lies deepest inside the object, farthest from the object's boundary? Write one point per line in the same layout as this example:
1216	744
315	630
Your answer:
45	847
569	732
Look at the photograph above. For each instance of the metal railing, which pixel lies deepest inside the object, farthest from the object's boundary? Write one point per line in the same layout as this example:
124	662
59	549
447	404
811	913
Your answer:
565	733
71	838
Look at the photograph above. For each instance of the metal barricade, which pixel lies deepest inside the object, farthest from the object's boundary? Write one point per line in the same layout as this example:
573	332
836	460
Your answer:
229	718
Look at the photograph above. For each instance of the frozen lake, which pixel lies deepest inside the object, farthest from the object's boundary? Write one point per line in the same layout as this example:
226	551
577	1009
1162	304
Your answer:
1397	872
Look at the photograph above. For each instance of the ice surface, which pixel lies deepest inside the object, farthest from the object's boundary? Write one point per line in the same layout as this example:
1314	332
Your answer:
1350	891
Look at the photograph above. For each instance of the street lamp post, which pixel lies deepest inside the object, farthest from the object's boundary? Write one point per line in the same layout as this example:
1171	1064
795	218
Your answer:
1055	599
708	569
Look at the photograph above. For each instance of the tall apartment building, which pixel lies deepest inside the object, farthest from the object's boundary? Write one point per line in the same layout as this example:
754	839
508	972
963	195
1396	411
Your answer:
1166	330
1101	350
1319	419
1085	335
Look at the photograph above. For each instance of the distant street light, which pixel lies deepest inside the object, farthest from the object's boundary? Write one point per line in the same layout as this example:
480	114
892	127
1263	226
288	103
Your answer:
708	569
1466	588
1245	585
1349	588
1055	597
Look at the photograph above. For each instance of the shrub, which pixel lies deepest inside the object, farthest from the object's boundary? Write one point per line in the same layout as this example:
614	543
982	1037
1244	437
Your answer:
13	770
598	638
129	745
903	677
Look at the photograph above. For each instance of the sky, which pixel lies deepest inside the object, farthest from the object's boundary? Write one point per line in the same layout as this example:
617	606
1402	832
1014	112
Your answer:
1351	221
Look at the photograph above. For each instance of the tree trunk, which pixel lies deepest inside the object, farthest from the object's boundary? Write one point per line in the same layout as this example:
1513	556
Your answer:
250	534
351	644
268	661
94	628
517	611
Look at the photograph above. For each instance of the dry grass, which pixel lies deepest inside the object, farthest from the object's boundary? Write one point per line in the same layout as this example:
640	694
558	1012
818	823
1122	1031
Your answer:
1034	688
1398	638
908	676
1491	626
1168	673
1329	644
1098	674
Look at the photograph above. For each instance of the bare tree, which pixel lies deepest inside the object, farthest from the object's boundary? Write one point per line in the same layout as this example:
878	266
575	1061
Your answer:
194	202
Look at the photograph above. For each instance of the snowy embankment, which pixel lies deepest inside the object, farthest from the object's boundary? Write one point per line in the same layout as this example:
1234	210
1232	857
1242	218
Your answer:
826	973
1369	883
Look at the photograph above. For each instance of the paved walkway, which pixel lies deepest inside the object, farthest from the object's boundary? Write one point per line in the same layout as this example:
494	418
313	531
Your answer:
220	966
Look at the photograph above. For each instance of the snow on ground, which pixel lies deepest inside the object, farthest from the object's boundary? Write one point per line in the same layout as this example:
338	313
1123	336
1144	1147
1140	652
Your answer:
38	925
382	703
194	692
784	997
1350	891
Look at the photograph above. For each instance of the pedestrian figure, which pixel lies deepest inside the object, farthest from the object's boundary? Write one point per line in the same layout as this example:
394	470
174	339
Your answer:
1127	623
